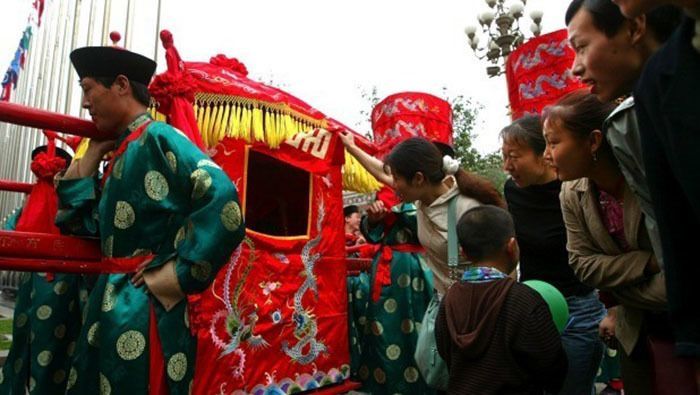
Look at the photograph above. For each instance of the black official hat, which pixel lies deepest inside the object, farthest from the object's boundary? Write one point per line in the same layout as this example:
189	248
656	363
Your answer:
110	62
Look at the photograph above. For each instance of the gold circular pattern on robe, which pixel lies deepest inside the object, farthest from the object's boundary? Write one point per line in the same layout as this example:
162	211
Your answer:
377	328
93	333
44	358
411	374
70	350
105	387
612	353
379	376
18	365
59	376
207	162
156	185
43	312
201	181
60	287
130	345
402	237
141	252
359	294
108	298
407	326
172	161
32	384
231	216
124	215
362	320
390	305
21	320
108	248
201	271
404	280
72	378
364	372
118	168
177	367
418	284
60	331
179	237
393	352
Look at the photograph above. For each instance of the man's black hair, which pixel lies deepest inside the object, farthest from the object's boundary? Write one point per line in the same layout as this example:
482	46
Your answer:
483	231
139	90
350	210
607	17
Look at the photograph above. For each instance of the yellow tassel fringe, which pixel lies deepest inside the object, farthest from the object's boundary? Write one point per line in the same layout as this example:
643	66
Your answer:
220	116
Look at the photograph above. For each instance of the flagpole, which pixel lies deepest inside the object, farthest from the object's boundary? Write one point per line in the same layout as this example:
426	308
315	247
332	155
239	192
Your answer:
129	23
155	49
105	22
73	44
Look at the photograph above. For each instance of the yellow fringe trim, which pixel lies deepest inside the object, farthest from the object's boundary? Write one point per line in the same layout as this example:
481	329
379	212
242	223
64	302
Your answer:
82	148
221	116
357	178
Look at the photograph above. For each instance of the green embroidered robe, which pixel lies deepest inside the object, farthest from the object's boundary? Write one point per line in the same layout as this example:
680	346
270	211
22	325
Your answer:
167	198
388	327
46	325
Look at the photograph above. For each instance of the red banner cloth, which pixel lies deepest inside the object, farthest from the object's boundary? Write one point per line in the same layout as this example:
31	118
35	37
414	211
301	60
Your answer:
539	73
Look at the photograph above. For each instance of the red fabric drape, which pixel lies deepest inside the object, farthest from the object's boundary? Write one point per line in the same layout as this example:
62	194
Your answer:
39	212
174	91
538	73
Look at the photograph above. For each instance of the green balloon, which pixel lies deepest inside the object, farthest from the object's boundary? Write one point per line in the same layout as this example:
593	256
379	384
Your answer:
555	300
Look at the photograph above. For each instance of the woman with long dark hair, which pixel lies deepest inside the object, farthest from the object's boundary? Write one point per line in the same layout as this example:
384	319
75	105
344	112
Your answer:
608	243
420	173
532	194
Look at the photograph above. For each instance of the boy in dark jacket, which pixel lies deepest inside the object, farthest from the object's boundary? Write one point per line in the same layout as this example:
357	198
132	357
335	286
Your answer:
497	336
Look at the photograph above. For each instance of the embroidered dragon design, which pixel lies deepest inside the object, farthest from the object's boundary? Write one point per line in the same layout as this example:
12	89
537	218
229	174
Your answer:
241	328
531	59
305	325
533	90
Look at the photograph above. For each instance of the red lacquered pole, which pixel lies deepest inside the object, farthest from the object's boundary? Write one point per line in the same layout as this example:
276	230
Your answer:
12	186
42	119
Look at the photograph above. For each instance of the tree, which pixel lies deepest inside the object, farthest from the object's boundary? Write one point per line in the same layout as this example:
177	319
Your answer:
490	165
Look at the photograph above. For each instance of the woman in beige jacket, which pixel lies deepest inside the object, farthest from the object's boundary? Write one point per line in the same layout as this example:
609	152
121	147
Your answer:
419	173
608	244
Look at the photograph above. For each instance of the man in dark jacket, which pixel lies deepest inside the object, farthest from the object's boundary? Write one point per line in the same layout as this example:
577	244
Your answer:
497	336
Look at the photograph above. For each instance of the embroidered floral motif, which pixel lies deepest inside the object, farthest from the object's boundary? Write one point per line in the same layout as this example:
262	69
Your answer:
231	216
124	215
130	345
156	185
201	181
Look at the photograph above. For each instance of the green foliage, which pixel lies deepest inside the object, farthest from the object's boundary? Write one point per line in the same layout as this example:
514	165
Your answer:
490	166
5	330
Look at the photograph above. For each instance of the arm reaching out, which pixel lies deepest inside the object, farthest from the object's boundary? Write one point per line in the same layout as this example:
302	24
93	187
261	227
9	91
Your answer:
373	165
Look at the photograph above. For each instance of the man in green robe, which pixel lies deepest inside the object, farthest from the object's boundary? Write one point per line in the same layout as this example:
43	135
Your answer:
47	307
161	199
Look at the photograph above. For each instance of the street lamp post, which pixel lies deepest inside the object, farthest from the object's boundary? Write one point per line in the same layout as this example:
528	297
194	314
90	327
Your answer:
500	25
